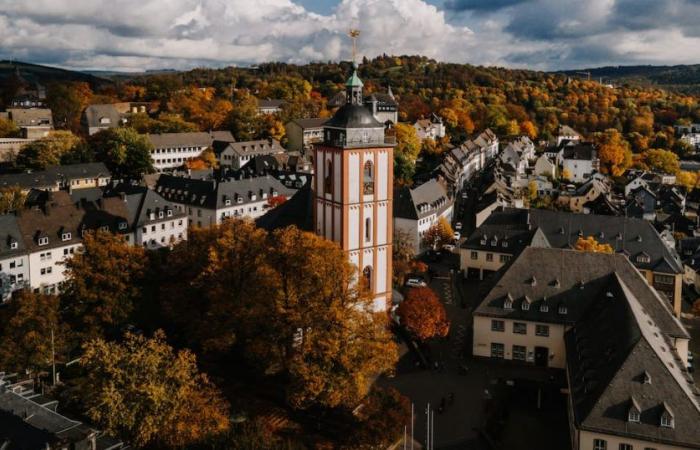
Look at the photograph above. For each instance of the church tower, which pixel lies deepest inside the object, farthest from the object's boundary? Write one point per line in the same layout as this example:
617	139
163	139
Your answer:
353	191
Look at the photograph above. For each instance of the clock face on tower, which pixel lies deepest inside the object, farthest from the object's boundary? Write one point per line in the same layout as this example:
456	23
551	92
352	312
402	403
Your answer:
353	192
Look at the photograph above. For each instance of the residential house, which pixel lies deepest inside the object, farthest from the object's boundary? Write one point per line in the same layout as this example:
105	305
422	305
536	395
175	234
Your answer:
235	155
641	204
303	133
566	133
14	261
270	106
624	353
431	128
157	222
579	161
508	230
30	420
575	199
461	164
101	117
545	167
172	150
419	208
34	123
211	202
54	178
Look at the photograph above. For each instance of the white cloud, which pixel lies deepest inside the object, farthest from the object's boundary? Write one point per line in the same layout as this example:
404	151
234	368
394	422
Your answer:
149	34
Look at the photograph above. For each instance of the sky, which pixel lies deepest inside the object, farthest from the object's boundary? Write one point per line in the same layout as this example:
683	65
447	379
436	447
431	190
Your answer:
135	35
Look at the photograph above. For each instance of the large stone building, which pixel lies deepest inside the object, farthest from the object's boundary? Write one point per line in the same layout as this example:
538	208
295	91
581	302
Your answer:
353	189
624	352
417	209
303	133
508	231
172	150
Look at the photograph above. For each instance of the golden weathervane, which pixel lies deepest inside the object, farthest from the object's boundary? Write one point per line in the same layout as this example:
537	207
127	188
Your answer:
354	33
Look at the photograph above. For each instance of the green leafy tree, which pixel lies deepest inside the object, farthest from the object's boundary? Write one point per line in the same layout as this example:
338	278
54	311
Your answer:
242	120
661	160
47	151
126	153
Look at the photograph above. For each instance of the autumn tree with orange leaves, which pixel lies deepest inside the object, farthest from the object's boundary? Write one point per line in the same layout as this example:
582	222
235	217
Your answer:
614	153
590	244
423	314
102	284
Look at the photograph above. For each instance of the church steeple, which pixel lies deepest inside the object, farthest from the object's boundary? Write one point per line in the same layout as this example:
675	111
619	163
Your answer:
353	88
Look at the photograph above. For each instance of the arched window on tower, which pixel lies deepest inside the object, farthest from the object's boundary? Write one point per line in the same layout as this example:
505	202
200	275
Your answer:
367	277
368	178
328	181
368	230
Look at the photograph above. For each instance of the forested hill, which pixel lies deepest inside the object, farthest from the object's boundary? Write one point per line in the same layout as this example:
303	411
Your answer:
35	73
684	78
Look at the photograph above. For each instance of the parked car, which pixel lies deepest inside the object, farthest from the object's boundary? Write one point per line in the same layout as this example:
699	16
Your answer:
457	236
448	247
458	226
415	282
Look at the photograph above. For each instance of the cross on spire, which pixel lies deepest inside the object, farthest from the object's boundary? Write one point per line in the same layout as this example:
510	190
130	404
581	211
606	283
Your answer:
354	33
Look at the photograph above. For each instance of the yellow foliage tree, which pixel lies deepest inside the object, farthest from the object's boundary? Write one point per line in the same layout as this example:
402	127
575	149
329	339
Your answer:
150	395
614	153
590	244
439	234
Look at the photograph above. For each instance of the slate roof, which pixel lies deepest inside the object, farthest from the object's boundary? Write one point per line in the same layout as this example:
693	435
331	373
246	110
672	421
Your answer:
10	233
53	175
625	235
252	148
93	114
353	116
270	103
427	199
572	279
565	130
619	356
580	152
314	122
212	194
297	211
177	140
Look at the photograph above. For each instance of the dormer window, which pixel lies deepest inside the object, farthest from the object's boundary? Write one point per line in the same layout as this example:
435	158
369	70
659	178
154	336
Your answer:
227	201
66	237
646	378
13	245
170	213
44	240
533	281
508	302
122	225
525	305
544	307
643	258
504	244
563	310
633	414
667	417
104	228
160	214
494	243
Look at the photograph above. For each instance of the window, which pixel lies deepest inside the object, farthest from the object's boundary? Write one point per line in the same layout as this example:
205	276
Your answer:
489	257
368	229
43	241
66	237
624	446
328	181
544	308
12	265
542	330
664	279
666	420
600	444
525	305
13	245
643	258
633	415
368	178
170	211
497	350
153	228
519	353
504	258
519	328
562	309
475	255
122	225
367	276
498	325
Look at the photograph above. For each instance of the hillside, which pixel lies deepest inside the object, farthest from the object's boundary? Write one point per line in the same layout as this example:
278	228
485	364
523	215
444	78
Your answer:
34	73
682	78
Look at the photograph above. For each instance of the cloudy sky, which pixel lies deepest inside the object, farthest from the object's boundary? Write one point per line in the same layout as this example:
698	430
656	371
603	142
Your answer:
539	34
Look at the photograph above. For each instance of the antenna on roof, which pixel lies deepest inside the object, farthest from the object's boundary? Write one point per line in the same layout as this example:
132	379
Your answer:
354	33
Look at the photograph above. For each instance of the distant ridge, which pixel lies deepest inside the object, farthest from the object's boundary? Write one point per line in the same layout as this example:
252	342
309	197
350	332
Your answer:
679	77
35	73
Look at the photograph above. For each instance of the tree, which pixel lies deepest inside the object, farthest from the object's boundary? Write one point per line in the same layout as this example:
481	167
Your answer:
439	234
404	169
614	153
590	244
126	153
242	120
532	190
28	321
47	151
566	174
325	334
687	179
67	102
660	160
379	423
148	394
165	123
206	160
12	198
407	142
423	315
8	129
102	284
403	252
201	106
